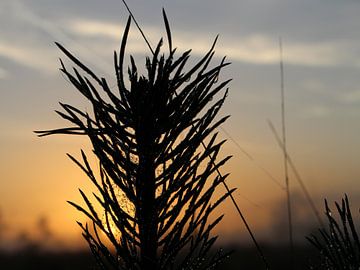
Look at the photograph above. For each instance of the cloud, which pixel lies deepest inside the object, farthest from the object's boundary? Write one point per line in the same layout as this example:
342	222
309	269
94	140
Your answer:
23	43
314	86
316	111
253	48
36	51
101	29
96	28
351	97
261	49
25	14
36	58
4	74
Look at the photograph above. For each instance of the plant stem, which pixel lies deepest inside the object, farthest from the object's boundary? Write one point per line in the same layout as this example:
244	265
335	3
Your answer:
286	173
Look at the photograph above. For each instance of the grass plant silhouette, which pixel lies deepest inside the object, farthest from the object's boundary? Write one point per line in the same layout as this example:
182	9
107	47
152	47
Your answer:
147	139
339	246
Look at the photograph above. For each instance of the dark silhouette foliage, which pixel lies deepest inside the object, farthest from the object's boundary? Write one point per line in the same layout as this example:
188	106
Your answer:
339	246
147	138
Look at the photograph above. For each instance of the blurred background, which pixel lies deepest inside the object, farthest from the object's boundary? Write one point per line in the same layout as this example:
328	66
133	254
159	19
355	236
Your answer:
321	54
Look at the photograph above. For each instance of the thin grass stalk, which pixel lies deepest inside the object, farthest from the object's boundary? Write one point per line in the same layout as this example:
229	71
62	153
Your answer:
286	173
297	175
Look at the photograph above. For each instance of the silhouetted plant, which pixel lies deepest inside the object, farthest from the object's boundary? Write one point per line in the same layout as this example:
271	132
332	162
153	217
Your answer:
339	246
147	138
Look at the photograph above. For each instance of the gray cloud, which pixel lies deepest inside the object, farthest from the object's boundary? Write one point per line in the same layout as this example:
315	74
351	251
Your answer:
249	29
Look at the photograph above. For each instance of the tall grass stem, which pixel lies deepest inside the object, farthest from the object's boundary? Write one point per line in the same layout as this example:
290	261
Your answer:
286	173
297	176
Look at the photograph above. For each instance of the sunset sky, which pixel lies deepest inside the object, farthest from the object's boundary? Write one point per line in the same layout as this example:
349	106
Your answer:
321	48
